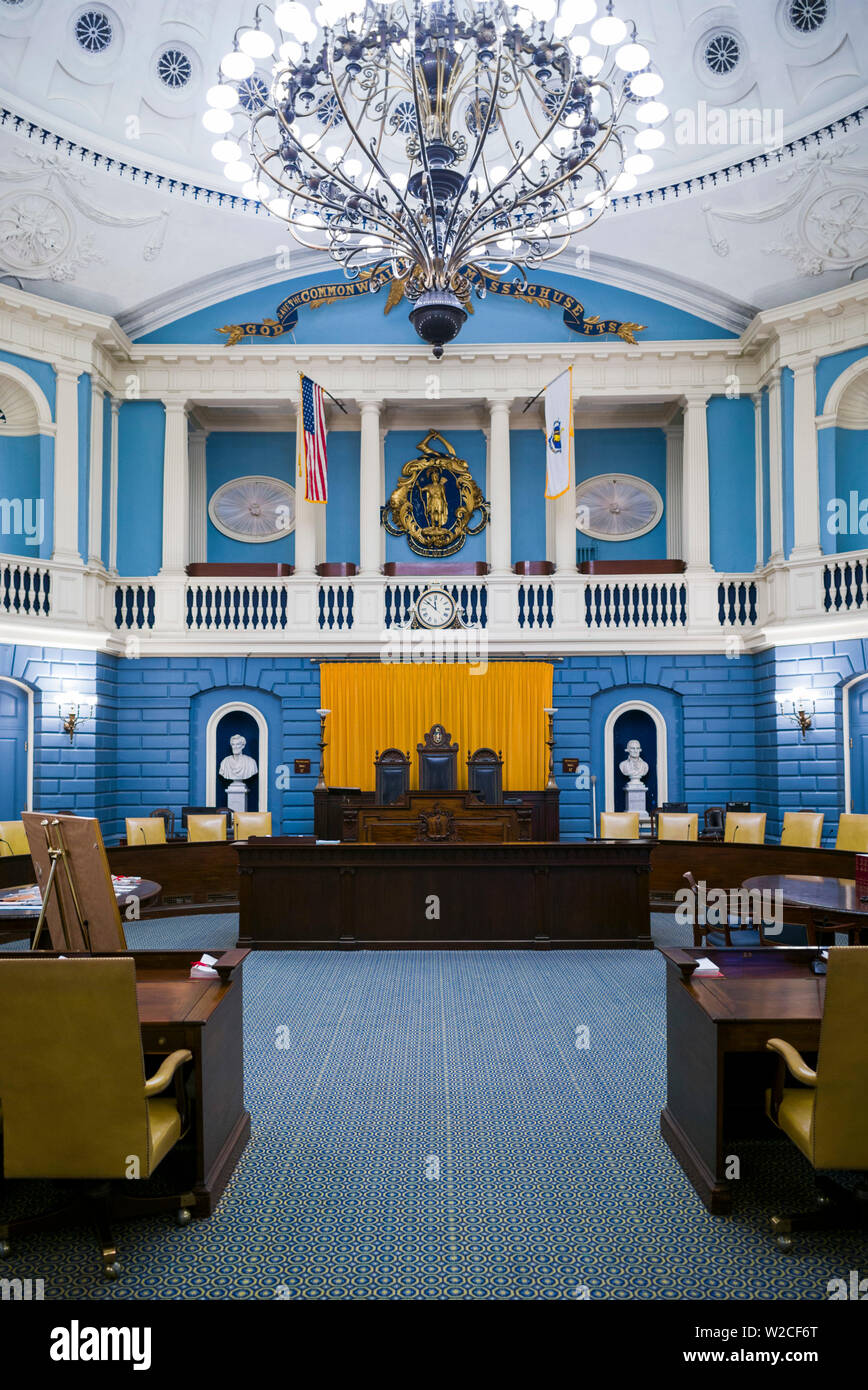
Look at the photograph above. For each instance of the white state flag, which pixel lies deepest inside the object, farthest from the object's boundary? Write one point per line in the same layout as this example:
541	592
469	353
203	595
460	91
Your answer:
559	433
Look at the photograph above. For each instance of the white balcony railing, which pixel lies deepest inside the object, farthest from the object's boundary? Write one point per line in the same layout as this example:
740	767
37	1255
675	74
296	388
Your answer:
306	614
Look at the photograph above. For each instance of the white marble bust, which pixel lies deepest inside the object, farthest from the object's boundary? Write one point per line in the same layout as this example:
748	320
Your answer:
634	765
238	766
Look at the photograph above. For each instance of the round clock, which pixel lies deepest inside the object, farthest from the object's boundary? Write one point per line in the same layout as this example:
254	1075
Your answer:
436	608
617	507
254	509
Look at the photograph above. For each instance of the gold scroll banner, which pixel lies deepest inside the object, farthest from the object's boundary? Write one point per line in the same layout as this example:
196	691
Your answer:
368	282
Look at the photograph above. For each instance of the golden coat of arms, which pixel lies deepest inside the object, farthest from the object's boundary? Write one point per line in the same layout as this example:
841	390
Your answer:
435	501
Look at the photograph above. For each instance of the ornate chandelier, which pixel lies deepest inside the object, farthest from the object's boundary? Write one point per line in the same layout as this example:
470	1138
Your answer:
436	143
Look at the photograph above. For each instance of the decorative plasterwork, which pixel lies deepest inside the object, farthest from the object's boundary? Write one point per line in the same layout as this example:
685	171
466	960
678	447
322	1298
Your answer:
828	193
38	234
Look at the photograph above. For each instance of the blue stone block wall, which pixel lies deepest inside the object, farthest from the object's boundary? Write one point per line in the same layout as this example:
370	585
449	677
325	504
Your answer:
727	736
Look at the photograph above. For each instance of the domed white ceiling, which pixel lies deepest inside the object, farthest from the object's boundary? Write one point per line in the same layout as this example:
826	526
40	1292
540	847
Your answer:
110	199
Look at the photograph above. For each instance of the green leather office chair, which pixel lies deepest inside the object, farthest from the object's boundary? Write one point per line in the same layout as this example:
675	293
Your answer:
827	1115
76	1104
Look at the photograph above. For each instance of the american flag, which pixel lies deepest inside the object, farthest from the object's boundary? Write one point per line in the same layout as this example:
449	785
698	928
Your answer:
312	455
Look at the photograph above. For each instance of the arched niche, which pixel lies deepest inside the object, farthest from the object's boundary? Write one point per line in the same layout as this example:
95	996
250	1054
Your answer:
218	731
612	756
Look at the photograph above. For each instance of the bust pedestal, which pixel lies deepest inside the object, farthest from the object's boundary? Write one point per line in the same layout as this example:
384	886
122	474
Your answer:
236	796
636	796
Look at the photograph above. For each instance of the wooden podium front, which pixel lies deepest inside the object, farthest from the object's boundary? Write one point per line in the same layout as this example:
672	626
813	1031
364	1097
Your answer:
330	805
436	818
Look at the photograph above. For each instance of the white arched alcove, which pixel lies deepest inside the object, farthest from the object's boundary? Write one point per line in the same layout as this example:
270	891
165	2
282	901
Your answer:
19	685
845	736
239	707
662	749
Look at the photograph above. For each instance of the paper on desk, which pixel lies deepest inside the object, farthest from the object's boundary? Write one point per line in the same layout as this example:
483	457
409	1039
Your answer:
204	969
707	967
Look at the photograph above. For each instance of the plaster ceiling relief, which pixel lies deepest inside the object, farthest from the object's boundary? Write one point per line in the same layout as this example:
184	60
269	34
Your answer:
808	77
91	97
824	198
12	51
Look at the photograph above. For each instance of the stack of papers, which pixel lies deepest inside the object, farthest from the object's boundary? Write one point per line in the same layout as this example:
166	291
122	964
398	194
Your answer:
707	968
204	969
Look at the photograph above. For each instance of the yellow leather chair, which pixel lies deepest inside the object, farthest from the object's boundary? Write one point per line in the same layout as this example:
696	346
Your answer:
852	833
146	830
76	1104
619	825
827	1115
251	823
13	838
206	828
745	827
804	828
676	825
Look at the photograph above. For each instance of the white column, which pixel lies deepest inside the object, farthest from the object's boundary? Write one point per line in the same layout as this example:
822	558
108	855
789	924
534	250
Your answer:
94	525
370	488
564	516
66	468
305	526
695	510
198	546
176	489
806	481
674	485
776	469
113	488
499	486
758	460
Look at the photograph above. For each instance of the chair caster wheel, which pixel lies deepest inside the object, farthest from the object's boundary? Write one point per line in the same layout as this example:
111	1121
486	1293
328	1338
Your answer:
784	1243
112	1271
182	1217
5	1249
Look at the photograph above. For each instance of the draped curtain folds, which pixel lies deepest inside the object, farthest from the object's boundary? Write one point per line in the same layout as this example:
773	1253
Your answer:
375	706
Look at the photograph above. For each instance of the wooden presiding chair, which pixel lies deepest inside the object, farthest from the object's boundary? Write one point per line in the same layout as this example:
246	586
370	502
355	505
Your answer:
619	825
76	1104
745	827
249	823
485	775
438	761
206	827
391	776
146	830
13	838
852	833
677	826
826	1115
804	828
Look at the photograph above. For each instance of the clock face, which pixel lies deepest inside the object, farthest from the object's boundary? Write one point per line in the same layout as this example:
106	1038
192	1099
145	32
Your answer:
436	608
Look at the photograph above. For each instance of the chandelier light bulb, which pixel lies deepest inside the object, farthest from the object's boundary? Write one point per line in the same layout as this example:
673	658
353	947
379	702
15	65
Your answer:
222	97
608	30
543	10
651	112
333	153
288	15
579	11
256	43
290	51
646	84
638	164
279	206
580	44
352	168
649	139
226	150
218	122
592	65
238	171
623	182
252	189
630	57
237	66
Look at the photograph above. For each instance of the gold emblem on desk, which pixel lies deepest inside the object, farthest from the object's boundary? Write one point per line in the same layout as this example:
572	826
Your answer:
435	501
436	825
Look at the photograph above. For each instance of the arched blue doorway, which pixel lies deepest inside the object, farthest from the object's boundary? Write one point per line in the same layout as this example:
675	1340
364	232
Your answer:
858	749
635	723
14	734
238	721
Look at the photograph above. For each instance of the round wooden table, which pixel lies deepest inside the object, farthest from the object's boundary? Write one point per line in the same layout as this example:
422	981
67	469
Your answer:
21	921
818	896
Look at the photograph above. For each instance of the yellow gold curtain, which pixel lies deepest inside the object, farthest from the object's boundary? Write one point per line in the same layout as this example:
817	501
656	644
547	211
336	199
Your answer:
375	706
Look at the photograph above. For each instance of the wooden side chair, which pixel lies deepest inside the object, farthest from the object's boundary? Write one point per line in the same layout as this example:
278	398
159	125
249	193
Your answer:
745	827
672	826
485	775
803	828
737	929
391	776
145	830
247	823
206	828
619	825
852	833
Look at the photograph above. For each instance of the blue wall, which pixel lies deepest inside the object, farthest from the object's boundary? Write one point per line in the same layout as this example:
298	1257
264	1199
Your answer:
767	477
230	455
731	484
402	445
342	510
496	319
141	435
787	460
527	461
21	482
84	397
105	535
641	452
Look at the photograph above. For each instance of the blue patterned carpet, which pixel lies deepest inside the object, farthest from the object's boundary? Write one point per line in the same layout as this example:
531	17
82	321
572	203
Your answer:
432	1131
